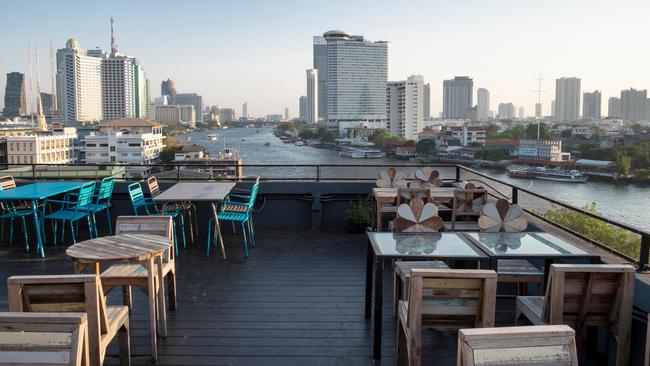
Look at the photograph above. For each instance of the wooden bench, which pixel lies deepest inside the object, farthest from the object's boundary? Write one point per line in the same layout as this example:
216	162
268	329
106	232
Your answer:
583	295
43	338
403	274
443	299
75	293
533	345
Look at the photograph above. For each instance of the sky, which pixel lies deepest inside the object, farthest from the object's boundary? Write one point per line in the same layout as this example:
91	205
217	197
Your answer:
233	52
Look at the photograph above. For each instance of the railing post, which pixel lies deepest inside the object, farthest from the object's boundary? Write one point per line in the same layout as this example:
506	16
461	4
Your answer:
33	172
457	173
178	173
515	195
644	252
318	173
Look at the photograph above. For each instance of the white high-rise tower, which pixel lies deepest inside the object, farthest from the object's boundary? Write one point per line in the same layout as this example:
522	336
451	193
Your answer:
405	107
483	104
567	99
312	96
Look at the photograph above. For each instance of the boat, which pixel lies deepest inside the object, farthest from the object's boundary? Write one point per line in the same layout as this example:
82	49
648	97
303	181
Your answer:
242	140
357	153
299	143
553	174
267	144
189	138
212	137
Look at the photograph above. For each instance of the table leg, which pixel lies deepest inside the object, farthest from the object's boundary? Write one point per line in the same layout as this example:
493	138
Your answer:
547	271
379	286
374	213
162	311
80	267
151	286
217	229
37	227
369	262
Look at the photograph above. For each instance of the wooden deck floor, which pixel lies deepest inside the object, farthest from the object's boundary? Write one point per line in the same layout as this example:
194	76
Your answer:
297	300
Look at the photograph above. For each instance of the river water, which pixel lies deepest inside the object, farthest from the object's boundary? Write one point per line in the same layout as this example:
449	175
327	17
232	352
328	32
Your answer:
627	203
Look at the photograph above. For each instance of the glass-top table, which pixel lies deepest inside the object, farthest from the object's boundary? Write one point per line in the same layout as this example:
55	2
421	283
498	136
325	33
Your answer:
420	246
529	244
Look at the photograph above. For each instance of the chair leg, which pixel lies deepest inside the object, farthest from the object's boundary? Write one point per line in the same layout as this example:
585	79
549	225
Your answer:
72	230
126	297
191	222
91	227
250	232
25	233
11	230
108	218
55	231
243	228
171	284
207	250
175	238
183	229
125	344
401	353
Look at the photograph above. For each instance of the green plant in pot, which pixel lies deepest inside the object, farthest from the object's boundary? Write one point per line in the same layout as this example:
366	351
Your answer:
358	216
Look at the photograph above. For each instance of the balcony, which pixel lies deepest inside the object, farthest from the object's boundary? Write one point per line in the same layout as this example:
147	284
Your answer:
299	297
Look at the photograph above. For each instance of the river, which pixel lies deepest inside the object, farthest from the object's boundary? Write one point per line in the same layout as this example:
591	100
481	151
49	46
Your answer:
626	203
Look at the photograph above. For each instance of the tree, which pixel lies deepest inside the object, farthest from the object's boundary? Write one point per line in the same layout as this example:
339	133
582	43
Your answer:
425	146
382	136
531	131
566	133
168	152
492	131
637	128
326	135
514	133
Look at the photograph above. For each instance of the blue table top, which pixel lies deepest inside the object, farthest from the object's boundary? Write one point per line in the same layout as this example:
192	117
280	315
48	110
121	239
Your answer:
39	190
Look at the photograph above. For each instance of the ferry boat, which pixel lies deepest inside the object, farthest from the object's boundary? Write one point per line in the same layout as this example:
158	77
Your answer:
299	143
356	153
554	174
212	137
267	144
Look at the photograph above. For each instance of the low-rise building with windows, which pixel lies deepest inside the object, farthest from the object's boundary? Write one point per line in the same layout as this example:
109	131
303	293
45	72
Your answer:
542	151
43	147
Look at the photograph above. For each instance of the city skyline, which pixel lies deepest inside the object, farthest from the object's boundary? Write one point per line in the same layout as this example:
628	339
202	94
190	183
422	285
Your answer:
227	59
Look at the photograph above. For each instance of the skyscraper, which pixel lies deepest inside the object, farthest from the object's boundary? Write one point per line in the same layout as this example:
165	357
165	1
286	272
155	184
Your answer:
614	107
244	110
506	111
312	105
320	64
118	87
167	89
521	114
190	99
457	96
567	99
47	101
405	107
302	108
633	105
427	100
286	112
483	104
591	105
15	98
79	83
357	72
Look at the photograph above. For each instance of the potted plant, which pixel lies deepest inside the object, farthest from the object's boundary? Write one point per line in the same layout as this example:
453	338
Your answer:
357	217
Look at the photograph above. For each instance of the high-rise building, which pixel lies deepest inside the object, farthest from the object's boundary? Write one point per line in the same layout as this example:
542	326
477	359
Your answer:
427	100
553	109
538	111
302	108
244	110
312	103
167	89
47	101
567	99
483	104
521	113
457	96
357	72
286	113
591	105
79	83
174	114
614	107
633	105
320	64
15	98
506	111
190	99
405	107
119	87
226	115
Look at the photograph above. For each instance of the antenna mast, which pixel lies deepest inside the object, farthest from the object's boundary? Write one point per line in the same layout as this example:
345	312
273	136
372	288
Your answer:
539	102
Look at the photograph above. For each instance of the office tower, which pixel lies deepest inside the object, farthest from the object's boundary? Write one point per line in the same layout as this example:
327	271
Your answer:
312	102
483	104
567	99
633	105
167	89
118	87
405	107
521	113
553	109
538	111
47	101
506	111
320	64
190	99
614	107
244	110
357	72
302	108
79	83
591	105
286	112
174	114
226	115
457	96
15	98
427	100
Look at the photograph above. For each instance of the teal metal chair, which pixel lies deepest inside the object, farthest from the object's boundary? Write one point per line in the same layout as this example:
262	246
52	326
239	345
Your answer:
143	206
102	201
74	207
240	211
9	211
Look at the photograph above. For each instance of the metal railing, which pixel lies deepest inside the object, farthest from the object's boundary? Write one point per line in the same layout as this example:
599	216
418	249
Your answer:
627	241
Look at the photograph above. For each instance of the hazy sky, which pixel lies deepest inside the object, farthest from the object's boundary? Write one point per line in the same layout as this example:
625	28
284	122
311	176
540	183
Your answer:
257	51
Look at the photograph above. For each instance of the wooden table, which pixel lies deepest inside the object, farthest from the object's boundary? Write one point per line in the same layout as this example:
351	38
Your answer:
200	192
387	196
138	248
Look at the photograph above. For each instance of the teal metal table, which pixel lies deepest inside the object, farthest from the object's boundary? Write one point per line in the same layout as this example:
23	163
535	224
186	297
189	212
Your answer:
37	192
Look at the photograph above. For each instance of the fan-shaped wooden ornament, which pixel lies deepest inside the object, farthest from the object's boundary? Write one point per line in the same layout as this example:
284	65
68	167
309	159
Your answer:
502	217
391	178
417	217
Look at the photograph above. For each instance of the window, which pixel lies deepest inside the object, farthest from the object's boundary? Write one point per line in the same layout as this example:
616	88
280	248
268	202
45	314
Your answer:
112	148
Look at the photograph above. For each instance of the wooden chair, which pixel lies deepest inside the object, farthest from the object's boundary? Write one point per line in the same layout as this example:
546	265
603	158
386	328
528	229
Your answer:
467	202
75	293
583	295
52	338
443	299
405	195
534	345
133	274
